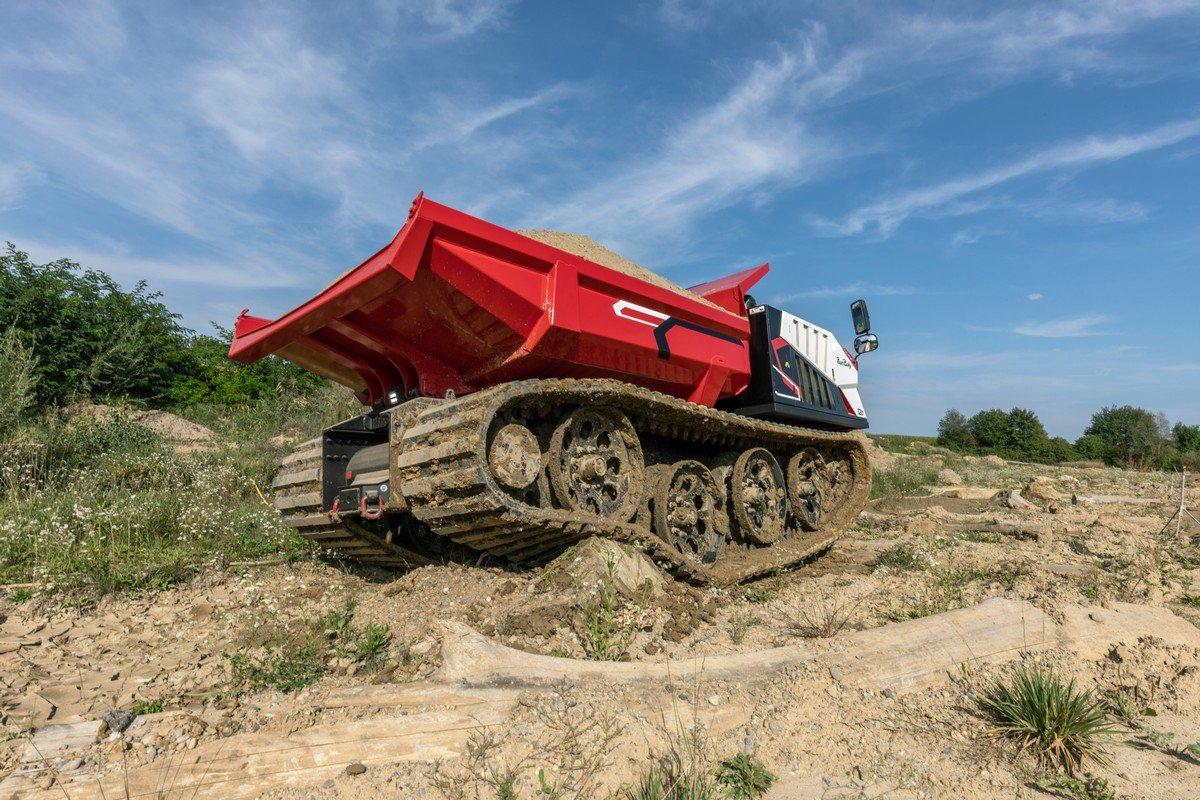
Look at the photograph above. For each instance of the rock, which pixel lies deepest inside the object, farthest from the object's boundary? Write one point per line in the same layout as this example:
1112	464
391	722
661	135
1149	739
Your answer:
1096	616
118	720
994	460
1009	498
1042	488
950	477
355	768
634	576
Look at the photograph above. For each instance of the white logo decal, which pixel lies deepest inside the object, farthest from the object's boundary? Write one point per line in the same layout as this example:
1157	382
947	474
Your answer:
623	309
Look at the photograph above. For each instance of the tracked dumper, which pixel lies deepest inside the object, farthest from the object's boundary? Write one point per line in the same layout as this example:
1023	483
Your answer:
524	397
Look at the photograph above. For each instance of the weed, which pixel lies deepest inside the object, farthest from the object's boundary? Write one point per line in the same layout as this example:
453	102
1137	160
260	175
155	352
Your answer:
745	778
147	707
740	625
826	617
905	479
902	557
19	596
372	645
1188	600
758	594
1075	789
1061	726
291	667
606	635
1123	704
981	537
681	773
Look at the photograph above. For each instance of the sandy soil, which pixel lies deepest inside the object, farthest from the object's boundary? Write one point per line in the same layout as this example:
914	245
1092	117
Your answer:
586	247
1084	550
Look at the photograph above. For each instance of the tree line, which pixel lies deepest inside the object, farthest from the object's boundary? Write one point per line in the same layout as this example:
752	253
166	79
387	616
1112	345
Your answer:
69	333
1118	435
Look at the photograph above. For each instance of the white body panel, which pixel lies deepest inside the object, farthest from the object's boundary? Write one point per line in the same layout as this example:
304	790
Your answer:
821	348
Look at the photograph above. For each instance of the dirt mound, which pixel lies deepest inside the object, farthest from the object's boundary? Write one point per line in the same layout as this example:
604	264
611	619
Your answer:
169	426
586	247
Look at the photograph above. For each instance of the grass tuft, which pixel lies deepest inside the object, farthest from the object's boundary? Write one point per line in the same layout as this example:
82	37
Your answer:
1062	726
745	778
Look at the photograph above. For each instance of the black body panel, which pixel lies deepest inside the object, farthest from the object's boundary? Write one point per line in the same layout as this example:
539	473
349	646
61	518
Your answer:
784	385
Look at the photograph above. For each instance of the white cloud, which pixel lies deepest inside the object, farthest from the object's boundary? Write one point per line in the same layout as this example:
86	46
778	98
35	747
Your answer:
858	288
13	179
1064	328
743	146
886	216
257	272
460	18
1035	296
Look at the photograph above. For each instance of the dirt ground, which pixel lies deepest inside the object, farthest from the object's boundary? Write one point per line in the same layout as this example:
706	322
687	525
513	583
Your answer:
781	668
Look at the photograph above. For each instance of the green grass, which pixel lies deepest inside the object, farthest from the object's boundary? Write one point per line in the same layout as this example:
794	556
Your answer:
371	646
758	594
147	707
906	479
607	631
897	443
292	666
1073	788
91	507
1063	727
902	557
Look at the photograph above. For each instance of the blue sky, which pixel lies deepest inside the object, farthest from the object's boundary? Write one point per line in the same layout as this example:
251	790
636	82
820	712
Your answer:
1014	188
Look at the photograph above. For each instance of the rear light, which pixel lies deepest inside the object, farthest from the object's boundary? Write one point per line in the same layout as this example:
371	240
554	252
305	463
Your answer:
349	476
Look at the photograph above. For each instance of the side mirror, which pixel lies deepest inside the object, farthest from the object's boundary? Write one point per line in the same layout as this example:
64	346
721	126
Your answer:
862	320
865	343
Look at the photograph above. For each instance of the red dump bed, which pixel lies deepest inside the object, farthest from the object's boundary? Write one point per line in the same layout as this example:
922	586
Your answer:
456	303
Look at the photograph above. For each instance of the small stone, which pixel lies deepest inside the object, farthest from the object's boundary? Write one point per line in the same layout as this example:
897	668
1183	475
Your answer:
152	751
835	672
118	720
355	768
1119	653
714	700
1096	616
889	694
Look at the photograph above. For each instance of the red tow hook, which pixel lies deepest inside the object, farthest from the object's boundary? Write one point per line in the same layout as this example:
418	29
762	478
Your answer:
376	514
333	513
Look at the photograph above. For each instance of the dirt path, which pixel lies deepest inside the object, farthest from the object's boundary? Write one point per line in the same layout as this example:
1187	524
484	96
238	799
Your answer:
928	601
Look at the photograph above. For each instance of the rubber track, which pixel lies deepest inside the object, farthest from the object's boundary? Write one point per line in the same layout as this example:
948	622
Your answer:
443	476
296	493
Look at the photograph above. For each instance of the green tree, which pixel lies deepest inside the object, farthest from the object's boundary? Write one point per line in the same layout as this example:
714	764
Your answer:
1027	437
954	432
991	429
1091	447
1187	437
89	337
1130	436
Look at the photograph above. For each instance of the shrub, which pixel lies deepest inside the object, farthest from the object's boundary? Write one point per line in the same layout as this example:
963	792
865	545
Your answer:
954	432
745	778
903	480
18	381
1061	726
1130	436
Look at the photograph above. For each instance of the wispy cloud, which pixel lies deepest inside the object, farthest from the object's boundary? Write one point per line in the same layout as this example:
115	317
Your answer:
858	288
1035	296
13	179
750	140
1064	328
459	18
886	216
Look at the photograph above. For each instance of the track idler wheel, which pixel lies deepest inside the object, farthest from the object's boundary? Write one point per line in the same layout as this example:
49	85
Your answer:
596	463
807	486
514	456
758	496
685	510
